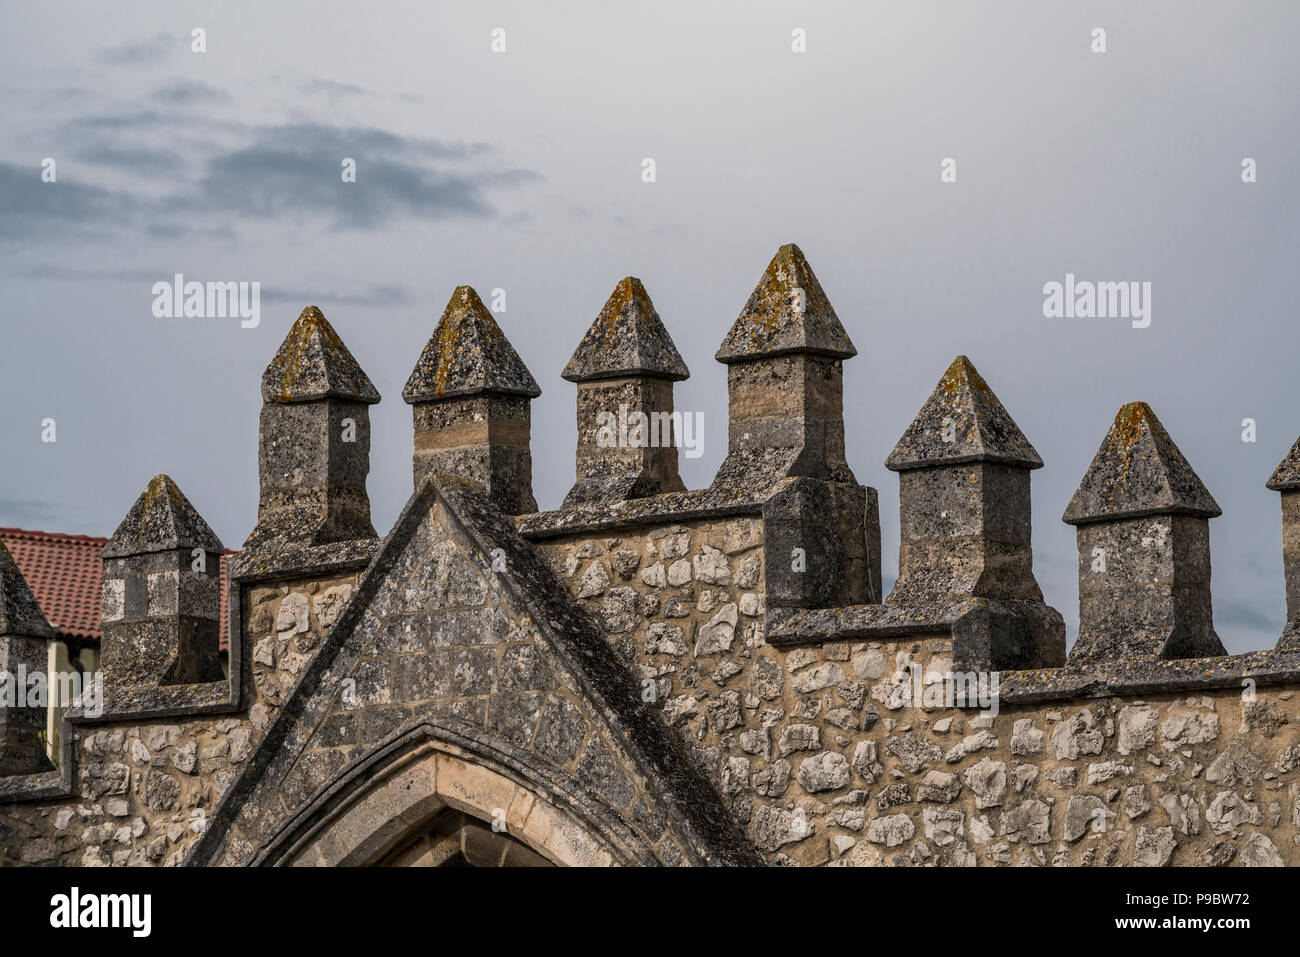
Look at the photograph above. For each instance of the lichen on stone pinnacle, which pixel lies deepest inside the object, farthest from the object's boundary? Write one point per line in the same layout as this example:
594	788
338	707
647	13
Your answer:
962	421
1287	474
313	364
468	354
1137	471
627	339
788	312
162	519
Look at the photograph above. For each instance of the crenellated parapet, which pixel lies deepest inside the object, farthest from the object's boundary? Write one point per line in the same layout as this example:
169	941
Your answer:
162	595
650	673
625	368
471	396
314	444
785	380
1142	519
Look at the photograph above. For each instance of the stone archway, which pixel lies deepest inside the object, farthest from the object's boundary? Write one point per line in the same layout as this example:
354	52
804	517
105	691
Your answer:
427	801
454	839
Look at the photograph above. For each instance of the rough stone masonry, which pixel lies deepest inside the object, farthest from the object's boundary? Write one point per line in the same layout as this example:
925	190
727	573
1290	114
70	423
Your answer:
656	675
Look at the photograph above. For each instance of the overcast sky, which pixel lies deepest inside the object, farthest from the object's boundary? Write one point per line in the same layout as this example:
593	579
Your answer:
522	170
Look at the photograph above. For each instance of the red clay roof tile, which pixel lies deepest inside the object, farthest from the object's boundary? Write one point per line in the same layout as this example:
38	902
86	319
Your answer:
65	574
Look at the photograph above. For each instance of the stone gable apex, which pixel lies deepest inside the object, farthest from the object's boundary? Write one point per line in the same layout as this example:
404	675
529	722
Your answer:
459	628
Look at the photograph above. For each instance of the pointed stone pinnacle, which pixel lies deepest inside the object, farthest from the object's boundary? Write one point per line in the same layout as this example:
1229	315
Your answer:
468	354
313	363
1287	474
1138	471
627	339
19	612
162	519
787	313
962	421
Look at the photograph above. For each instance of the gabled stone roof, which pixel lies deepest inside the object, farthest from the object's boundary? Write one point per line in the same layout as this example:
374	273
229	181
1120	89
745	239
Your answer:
773	324
1287	474
19	612
627	339
962	421
468	354
313	363
450	525
1138	471
162	519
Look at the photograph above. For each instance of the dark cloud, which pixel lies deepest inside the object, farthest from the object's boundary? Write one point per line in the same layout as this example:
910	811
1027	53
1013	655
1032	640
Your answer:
375	295
294	170
132	159
190	93
31	207
329	88
52	271
289	170
126	122
145	50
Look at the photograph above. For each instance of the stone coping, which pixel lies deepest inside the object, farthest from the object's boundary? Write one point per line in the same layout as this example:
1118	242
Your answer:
273	559
1102	679
806	626
1072	681
675	507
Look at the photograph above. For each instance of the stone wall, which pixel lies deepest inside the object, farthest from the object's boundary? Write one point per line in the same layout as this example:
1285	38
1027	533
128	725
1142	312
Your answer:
821	755
144	789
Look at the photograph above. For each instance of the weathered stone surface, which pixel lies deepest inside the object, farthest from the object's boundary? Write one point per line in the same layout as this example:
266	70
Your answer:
467	354
939	787
913	752
1084	812
162	519
988	781
962	421
826	771
787	312
627	339
19	612
1154	846
313	364
891	831
161	597
1138	471
1028	821
1259	851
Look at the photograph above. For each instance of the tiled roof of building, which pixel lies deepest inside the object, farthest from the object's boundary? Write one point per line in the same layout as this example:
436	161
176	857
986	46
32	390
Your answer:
65	573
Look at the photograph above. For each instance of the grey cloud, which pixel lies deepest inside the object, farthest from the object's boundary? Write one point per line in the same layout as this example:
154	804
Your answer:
295	170
133	159
380	295
374	294
189	93
155	47
329	88
290	169
30	207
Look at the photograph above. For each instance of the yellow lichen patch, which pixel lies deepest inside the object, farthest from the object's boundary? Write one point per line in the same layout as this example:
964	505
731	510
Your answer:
960	373
311	333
